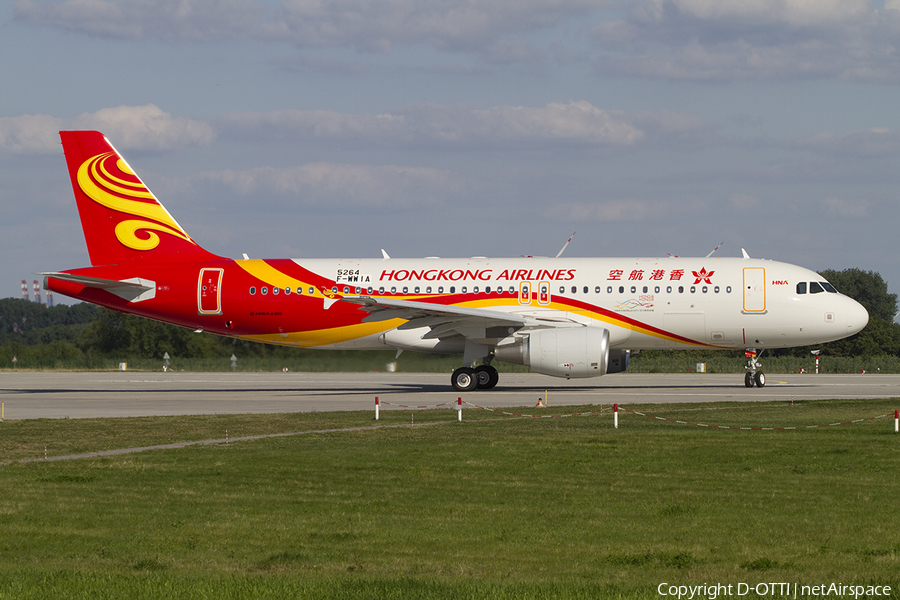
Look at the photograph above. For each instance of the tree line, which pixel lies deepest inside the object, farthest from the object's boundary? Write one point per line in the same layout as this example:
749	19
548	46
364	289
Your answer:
33	333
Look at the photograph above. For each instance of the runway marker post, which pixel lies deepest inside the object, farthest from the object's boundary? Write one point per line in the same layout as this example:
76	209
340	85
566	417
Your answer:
459	408
376	408
896	421
616	416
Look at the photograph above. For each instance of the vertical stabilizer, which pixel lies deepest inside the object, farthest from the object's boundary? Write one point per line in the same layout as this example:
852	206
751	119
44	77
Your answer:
122	220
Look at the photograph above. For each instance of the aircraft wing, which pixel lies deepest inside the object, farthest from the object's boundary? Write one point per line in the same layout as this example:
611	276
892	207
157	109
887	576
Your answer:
444	321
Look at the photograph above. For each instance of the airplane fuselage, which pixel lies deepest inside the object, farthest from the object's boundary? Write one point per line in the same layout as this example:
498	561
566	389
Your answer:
643	302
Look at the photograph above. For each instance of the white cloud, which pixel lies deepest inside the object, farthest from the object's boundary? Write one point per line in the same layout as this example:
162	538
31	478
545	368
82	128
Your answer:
727	40
135	127
572	122
842	207
455	25
794	12
194	20
875	142
341	185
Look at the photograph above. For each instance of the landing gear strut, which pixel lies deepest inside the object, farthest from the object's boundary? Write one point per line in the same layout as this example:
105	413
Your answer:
753	376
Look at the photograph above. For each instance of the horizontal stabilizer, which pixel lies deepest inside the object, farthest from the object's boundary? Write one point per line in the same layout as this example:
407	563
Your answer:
132	290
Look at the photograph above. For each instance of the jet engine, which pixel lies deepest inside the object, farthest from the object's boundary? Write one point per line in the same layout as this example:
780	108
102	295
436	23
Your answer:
562	352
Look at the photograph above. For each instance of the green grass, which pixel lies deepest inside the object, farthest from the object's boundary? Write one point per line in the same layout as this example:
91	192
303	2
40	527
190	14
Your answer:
489	508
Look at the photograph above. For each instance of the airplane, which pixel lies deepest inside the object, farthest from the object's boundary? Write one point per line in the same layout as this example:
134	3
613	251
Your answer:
563	317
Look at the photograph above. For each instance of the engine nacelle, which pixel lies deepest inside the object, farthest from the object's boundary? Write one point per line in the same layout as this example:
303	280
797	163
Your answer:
563	352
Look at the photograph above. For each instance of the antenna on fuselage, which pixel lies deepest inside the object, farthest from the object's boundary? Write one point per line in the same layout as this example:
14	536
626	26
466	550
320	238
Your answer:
744	252
714	250
563	249
384	254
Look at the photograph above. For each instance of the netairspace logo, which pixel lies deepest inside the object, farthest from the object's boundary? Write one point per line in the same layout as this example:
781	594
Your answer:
771	590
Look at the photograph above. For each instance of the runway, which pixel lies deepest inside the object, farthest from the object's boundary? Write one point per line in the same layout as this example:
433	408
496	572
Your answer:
52	395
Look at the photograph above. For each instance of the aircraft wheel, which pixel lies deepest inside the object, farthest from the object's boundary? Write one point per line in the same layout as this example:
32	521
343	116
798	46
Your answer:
464	379
748	379
760	379
487	377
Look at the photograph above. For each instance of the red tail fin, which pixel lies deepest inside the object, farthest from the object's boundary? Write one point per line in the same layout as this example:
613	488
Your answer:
121	218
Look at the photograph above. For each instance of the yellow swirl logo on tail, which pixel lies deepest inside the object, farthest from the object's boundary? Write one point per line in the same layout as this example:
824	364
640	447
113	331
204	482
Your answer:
108	181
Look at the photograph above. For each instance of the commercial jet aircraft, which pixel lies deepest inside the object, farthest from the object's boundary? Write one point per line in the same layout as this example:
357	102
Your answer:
565	317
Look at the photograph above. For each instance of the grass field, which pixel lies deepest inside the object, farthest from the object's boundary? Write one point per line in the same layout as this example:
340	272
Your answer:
493	507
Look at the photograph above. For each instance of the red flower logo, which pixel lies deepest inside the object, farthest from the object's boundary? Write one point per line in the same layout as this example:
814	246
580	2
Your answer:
703	275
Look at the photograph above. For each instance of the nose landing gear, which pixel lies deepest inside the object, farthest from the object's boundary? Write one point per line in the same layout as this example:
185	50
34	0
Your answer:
753	376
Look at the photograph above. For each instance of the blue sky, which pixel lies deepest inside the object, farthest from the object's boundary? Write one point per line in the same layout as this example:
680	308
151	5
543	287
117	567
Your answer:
303	128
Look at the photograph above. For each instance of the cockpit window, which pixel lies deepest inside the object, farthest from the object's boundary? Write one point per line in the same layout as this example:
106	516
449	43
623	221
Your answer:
801	287
829	288
815	287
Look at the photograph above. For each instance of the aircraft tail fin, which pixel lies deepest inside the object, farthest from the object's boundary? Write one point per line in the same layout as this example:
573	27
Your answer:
122	219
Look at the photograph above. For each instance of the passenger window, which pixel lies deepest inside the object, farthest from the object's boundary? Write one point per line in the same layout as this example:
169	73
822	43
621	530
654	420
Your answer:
656	290
680	289
705	289
264	290
252	290
405	289
312	290
475	290
428	290
440	289
609	289
393	289
452	289
668	289
287	291
381	290
716	289
801	287
693	289
562	289
645	289
728	290
621	289
299	290
417	289
275	290
463	289
815	288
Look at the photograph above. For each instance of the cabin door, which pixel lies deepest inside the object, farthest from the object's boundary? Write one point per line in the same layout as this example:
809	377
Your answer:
209	292
754	290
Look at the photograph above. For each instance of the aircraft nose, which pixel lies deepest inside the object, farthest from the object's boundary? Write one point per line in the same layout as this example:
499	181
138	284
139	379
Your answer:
857	316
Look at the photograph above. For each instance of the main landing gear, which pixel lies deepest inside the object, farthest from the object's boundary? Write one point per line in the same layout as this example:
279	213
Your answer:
753	376
482	377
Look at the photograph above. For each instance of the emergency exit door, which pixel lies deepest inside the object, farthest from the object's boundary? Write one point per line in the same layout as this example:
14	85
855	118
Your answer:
209	292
